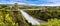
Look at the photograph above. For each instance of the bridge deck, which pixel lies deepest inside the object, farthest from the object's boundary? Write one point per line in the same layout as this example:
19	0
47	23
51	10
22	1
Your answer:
19	9
35	9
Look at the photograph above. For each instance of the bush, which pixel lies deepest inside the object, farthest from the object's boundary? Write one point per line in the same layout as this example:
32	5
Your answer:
51	22
7	21
7	24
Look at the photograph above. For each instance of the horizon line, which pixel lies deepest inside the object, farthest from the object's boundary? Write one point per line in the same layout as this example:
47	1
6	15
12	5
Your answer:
34	4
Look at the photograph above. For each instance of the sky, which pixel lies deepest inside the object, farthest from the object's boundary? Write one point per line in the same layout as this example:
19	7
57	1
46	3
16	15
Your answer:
32	2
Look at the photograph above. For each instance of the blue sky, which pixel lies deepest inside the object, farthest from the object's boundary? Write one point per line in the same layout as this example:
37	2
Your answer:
30	1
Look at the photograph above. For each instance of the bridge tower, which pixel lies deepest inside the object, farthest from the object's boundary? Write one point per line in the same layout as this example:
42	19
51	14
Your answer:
18	17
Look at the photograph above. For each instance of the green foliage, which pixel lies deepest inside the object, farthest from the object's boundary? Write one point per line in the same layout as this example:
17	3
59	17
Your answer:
51	22
6	24
7	21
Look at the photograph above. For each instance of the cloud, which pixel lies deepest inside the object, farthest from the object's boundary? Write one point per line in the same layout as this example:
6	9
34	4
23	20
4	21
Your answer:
38	2
44	4
32	2
43	1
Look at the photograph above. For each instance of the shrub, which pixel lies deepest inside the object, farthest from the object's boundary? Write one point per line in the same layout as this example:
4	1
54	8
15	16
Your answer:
8	20
7	24
51	22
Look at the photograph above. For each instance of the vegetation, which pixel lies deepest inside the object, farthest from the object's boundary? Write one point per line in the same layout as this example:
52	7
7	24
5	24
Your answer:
14	18
51	22
6	20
